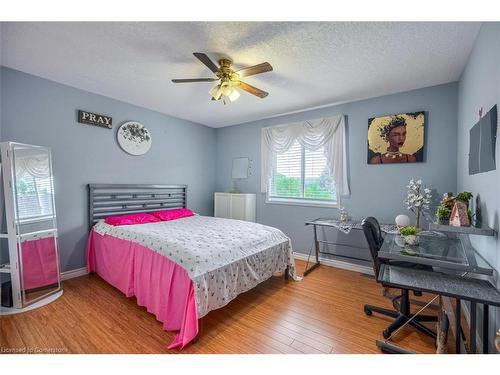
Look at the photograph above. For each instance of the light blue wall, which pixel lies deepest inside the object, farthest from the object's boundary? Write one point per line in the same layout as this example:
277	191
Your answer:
376	190
479	87
43	112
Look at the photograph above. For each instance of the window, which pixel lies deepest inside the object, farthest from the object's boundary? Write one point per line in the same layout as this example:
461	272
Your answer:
302	177
34	197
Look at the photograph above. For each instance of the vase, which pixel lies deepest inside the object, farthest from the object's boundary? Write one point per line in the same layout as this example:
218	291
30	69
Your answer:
343	215
411	239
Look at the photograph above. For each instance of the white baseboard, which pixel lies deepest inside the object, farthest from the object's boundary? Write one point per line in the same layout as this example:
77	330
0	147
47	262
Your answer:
73	273
324	261
337	264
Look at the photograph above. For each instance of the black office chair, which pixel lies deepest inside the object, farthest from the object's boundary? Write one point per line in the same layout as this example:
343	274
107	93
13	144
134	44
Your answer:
402	314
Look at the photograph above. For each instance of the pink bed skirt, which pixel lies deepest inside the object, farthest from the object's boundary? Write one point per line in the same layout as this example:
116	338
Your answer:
39	262
158	284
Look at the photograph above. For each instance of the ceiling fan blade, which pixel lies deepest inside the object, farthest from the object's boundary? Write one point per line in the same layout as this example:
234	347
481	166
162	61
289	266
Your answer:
194	80
252	90
206	60
256	69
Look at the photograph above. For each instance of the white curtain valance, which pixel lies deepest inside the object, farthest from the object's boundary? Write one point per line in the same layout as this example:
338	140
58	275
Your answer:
34	165
312	134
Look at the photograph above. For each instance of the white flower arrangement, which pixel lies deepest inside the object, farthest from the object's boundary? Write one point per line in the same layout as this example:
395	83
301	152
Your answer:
418	198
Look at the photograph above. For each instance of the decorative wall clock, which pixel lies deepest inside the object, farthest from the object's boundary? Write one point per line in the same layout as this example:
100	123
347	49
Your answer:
134	138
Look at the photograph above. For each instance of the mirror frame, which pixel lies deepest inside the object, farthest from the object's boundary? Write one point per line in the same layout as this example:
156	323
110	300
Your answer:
37	234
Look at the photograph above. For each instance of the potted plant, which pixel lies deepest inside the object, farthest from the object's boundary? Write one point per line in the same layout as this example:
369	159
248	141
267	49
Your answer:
443	214
465	197
410	235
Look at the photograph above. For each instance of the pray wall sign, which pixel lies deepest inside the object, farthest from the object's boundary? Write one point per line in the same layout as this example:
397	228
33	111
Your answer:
90	118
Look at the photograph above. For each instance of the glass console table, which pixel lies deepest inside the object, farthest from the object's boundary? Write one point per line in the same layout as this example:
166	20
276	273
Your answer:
451	251
343	226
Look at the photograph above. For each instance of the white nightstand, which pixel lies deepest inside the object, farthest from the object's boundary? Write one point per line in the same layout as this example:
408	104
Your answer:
235	206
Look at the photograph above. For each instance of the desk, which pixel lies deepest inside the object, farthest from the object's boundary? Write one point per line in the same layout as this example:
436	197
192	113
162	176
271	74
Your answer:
451	252
460	288
448	251
344	227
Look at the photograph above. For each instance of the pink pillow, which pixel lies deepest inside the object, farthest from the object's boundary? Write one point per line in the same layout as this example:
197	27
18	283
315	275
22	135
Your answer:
131	219
177	213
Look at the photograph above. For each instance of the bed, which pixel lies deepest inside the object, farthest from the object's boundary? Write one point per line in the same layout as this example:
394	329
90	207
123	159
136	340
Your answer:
180	270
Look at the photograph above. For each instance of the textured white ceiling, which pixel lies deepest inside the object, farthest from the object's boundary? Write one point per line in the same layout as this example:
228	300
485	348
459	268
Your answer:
314	63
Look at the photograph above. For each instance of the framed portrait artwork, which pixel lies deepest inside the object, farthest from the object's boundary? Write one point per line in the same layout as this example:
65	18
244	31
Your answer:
396	138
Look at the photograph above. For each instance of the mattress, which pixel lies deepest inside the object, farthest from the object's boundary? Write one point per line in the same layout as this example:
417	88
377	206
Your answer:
221	257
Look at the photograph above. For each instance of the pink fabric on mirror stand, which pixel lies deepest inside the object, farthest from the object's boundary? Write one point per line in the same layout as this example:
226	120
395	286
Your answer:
39	263
158	283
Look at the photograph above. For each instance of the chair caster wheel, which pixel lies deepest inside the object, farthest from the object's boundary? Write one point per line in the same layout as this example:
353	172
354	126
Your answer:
386	334
368	312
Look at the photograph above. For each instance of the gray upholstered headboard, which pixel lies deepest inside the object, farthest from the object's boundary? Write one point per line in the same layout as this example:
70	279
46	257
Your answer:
119	199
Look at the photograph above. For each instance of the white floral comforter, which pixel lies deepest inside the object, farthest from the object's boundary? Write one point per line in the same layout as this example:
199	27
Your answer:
223	257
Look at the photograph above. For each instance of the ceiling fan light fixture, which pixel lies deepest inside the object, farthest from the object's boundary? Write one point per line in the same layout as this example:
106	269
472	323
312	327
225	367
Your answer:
230	84
226	88
234	95
216	92
225	91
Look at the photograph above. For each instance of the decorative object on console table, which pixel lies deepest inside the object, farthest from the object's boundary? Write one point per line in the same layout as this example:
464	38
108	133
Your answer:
410	235
448	200
465	197
343	215
443	215
402	221
417	199
459	216
134	138
443	211
478	216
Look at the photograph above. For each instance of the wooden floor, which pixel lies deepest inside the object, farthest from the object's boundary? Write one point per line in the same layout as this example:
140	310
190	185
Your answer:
323	313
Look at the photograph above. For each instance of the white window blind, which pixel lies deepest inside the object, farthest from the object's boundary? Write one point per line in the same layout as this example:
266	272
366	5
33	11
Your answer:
302	175
34	197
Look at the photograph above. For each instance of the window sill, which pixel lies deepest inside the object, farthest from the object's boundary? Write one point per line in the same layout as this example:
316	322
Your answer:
304	203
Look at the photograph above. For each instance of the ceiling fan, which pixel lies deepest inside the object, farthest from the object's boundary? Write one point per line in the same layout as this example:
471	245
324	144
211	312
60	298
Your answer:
227	89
